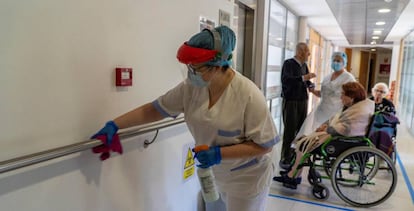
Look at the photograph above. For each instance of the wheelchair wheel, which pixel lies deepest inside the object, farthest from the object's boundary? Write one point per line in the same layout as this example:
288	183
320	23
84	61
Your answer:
348	166
327	165
314	177
356	180
394	153
319	191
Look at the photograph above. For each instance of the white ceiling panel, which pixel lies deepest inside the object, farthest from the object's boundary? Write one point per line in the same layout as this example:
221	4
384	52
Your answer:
352	22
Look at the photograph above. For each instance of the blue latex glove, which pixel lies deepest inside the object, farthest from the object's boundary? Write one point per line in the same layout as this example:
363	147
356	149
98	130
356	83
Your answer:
209	157
109	130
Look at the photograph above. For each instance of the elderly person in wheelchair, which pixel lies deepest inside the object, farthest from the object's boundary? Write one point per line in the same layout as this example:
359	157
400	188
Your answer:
379	91
352	120
384	130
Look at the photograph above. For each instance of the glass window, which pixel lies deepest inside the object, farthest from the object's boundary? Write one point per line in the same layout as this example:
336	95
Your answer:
275	49
406	109
282	40
291	34
277	24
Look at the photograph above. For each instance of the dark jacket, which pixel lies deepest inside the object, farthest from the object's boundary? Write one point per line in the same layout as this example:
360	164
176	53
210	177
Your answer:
293	86
386	106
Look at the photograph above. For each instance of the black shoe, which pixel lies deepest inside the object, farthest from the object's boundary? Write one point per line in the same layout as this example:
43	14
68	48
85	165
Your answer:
280	178
298	179
287	181
283	172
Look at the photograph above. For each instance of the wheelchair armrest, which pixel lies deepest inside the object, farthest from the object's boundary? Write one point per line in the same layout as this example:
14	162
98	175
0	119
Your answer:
348	137
381	125
337	144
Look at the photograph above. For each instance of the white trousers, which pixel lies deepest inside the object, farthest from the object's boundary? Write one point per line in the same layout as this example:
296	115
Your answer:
239	203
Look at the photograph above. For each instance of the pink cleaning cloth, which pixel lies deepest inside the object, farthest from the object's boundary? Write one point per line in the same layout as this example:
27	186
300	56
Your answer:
105	150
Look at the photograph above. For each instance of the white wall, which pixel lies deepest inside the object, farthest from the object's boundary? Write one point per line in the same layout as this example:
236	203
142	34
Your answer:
394	61
383	58
57	61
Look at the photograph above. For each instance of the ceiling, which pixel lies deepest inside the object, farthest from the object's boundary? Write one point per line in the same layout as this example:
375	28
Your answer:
351	23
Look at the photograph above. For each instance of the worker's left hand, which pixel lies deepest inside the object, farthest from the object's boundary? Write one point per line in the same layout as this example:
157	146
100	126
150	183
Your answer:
209	157
109	130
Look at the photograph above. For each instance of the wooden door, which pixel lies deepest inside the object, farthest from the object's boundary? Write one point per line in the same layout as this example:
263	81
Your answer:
348	52
364	69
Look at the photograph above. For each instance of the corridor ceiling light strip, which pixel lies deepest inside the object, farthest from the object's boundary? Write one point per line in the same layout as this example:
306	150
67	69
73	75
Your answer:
385	10
377	32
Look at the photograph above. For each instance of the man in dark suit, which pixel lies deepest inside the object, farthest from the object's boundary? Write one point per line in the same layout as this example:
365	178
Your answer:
295	85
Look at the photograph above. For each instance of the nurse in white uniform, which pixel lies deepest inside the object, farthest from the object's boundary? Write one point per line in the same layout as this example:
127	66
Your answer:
223	110
330	95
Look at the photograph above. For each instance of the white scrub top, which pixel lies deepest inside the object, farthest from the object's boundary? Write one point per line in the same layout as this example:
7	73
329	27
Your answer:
329	105
241	114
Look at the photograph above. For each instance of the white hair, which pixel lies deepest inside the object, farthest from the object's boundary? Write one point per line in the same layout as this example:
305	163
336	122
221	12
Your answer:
384	85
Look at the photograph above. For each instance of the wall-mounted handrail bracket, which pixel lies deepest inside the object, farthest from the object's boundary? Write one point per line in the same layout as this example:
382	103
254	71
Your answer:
147	143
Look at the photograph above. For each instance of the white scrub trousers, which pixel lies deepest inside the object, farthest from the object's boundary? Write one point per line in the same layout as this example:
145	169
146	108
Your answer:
239	203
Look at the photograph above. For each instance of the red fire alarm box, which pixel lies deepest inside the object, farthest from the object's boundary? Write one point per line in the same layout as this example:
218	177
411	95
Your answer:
123	76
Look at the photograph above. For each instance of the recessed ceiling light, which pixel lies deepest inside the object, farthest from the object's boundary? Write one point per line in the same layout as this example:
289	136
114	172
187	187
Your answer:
373	49
373	43
377	32
388	1
385	10
375	37
380	23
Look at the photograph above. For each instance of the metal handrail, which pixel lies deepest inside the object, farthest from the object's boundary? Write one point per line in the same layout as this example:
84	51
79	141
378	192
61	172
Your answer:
31	159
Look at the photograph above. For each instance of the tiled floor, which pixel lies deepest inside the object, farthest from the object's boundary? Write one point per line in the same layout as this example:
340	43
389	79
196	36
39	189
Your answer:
284	199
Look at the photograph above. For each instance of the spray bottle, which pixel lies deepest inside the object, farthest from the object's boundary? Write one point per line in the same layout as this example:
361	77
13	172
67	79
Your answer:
206	178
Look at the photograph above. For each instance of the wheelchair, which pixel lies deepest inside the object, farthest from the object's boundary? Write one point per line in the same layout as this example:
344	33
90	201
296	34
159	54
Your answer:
383	132
352	166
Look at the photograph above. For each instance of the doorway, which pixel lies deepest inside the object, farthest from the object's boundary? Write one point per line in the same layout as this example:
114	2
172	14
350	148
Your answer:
244	28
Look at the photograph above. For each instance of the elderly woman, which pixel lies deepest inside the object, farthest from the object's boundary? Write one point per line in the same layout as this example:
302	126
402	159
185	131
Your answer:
379	91
352	120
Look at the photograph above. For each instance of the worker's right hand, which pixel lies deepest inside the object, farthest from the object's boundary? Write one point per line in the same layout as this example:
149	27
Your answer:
109	130
208	157
311	86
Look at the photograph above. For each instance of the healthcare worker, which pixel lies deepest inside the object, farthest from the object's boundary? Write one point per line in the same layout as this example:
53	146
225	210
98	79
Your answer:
222	109
330	94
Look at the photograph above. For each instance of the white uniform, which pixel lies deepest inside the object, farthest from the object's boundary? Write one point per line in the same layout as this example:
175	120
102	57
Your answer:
329	105
241	114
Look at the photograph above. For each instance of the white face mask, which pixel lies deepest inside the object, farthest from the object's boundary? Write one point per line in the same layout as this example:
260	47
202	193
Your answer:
196	78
